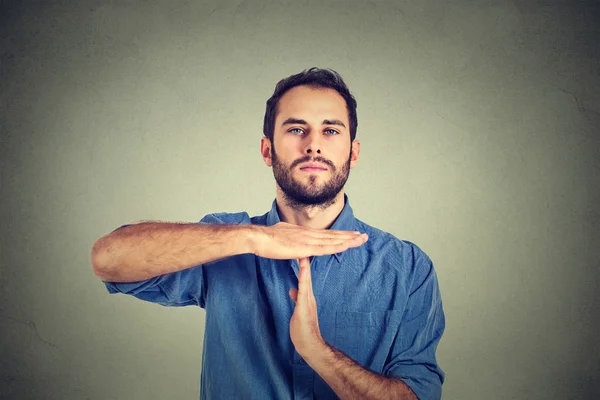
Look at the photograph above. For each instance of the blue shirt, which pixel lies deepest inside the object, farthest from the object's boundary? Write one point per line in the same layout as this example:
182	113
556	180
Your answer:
378	303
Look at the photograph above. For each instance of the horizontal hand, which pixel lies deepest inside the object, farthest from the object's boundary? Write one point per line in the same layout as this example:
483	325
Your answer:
284	241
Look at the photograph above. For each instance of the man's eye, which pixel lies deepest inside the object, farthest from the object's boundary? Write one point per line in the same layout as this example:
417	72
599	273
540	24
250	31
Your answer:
295	129
331	130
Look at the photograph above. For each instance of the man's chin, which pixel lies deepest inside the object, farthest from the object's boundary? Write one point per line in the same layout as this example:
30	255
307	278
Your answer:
314	198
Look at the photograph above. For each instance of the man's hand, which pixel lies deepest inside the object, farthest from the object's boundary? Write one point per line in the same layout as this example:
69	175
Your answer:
284	241
304	325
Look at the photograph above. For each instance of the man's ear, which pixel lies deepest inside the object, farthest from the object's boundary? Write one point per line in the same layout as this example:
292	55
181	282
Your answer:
265	151
355	153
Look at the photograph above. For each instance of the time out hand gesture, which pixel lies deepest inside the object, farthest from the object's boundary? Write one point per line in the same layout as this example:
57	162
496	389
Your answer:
284	241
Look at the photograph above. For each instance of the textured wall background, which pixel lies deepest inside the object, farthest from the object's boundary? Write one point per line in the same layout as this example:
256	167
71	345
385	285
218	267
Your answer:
479	124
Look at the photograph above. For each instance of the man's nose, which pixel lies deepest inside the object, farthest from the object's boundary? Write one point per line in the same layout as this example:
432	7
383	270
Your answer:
313	142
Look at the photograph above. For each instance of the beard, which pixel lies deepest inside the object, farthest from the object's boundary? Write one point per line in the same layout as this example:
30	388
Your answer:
299	195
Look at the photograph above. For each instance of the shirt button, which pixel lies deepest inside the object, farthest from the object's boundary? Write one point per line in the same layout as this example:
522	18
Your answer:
302	361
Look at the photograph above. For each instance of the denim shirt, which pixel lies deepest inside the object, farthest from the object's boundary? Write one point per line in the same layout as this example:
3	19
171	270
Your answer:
378	303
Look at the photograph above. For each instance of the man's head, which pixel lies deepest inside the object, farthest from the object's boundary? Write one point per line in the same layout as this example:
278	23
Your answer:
311	118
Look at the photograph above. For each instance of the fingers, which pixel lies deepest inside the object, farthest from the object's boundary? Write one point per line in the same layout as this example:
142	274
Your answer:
304	283
303	276
319	249
337	240
351	242
326	234
294	295
308	280
357	241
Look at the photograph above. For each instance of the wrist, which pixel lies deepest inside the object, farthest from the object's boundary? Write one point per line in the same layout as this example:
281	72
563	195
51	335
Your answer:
319	355
252	234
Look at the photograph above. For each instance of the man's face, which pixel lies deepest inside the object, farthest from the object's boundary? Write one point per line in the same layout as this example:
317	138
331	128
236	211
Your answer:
311	126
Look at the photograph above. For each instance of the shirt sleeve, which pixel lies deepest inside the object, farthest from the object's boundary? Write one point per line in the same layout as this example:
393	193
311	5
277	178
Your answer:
413	353
176	289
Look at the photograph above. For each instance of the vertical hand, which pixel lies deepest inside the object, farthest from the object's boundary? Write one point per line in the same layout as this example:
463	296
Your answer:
304	325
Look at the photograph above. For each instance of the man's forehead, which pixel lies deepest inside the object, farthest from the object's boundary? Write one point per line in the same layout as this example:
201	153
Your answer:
322	102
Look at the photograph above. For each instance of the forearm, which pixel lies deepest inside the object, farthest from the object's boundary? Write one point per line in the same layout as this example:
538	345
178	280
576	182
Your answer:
142	251
350	381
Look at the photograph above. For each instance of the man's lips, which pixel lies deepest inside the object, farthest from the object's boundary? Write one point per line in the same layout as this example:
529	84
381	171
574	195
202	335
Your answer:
308	169
313	167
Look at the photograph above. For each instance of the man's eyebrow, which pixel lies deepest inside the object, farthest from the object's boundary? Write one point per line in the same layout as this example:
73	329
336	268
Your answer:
333	122
291	121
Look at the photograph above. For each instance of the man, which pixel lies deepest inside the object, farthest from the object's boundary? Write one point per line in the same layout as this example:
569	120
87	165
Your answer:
299	304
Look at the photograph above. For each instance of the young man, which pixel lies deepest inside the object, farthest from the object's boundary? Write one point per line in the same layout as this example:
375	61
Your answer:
299	304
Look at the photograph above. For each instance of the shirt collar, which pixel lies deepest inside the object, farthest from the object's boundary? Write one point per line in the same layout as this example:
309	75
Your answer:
344	222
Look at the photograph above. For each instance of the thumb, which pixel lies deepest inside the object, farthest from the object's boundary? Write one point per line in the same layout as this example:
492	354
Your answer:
294	294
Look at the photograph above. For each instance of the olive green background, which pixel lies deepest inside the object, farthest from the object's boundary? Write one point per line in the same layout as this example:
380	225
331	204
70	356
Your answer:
479	123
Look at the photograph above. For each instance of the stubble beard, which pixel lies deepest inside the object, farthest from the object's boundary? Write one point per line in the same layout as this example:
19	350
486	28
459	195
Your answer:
300	196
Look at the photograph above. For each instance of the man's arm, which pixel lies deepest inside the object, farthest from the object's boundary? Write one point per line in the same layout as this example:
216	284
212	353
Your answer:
347	379
350	381
145	250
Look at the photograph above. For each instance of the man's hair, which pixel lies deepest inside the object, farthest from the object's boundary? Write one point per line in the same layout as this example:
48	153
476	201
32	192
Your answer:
315	78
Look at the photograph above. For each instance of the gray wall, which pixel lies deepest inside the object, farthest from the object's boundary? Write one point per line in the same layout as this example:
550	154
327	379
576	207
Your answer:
479	124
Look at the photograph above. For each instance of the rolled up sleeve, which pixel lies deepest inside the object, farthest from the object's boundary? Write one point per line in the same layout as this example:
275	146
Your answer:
413	352
176	289
181	288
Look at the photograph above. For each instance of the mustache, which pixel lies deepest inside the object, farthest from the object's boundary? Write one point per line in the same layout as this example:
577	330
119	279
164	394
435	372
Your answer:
315	160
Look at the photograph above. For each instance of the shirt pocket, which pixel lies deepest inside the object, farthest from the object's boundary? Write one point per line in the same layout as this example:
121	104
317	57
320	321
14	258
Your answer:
366	337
